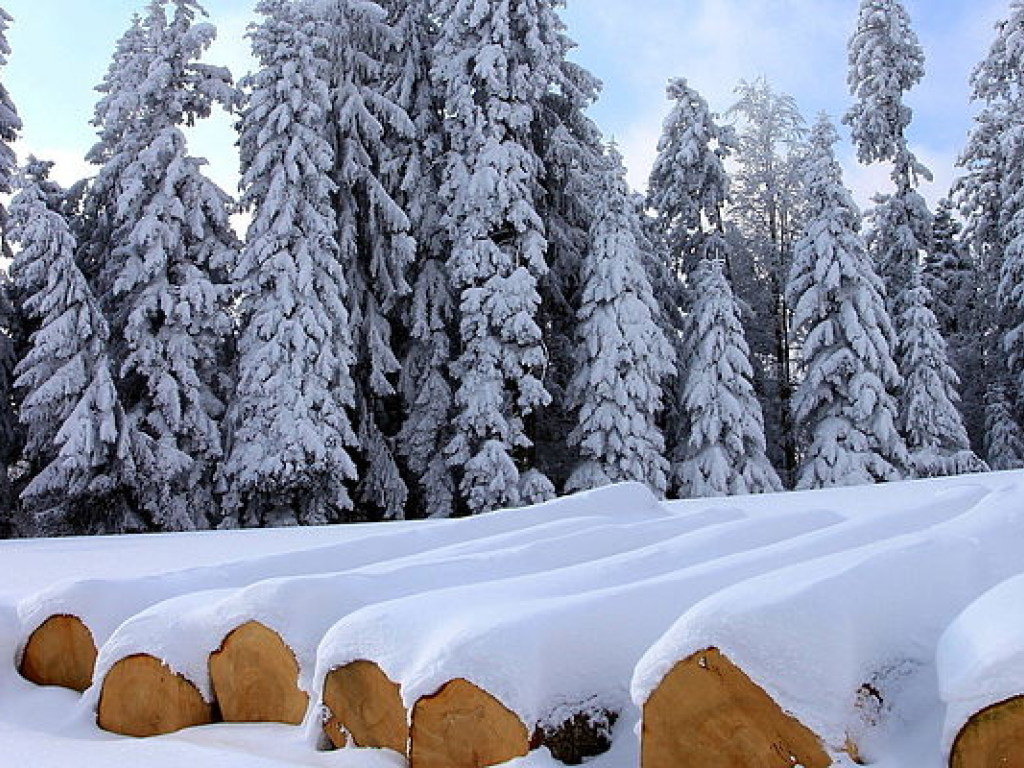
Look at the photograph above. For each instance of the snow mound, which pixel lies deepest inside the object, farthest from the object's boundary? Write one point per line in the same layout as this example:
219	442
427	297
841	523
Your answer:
885	615
980	657
104	603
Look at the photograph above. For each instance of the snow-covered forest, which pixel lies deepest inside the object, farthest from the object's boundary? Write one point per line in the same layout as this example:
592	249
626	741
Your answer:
447	300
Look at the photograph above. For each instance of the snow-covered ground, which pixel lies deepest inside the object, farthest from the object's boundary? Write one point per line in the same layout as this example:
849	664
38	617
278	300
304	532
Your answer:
914	588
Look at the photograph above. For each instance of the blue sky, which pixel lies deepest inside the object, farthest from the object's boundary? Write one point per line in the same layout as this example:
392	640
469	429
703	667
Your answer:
61	49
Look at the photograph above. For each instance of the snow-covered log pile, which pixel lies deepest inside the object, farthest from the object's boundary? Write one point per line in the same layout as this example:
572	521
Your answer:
876	624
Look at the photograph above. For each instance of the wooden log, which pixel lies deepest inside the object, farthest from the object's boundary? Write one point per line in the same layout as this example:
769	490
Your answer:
993	737
365	705
463	726
707	713
255	678
141	696
62	652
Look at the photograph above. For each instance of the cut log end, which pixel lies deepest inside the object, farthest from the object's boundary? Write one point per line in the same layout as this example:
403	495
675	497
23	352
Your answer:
708	713
993	737
365	705
255	678
141	696
463	726
61	652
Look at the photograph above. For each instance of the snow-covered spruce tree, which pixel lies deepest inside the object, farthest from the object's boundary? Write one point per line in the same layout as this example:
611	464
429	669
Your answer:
844	406
724	452
986	198
948	272
11	434
689	184
163	261
573	152
999	83
886	61
376	249
953	277
688	188
76	445
413	174
493	63
934	429
767	198
623	355
121	136
10	125
289	427
1004	441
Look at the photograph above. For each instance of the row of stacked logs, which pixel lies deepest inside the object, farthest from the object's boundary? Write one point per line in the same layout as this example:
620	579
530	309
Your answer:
706	712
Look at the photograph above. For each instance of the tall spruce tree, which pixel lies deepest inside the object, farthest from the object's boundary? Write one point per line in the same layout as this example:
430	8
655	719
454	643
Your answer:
724	450
886	61
413	172
929	418
494	61
373	235
689	185
121	135
989	195
954	278
572	149
687	189
10	314
162	256
290	433
844	406
623	355
999	81
1004	440
76	444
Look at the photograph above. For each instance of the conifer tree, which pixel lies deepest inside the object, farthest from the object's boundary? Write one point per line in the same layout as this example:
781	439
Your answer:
121	135
162	259
929	418
493	63
844	406
989	198
623	355
686	191
10	432
724	450
1004	441
886	61
76	443
954	279
572	149
413	173
999	83
689	185
290	432
373	235
10	320
949	274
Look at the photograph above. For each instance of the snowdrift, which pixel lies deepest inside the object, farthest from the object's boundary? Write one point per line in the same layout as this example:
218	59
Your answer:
873	624
100	605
